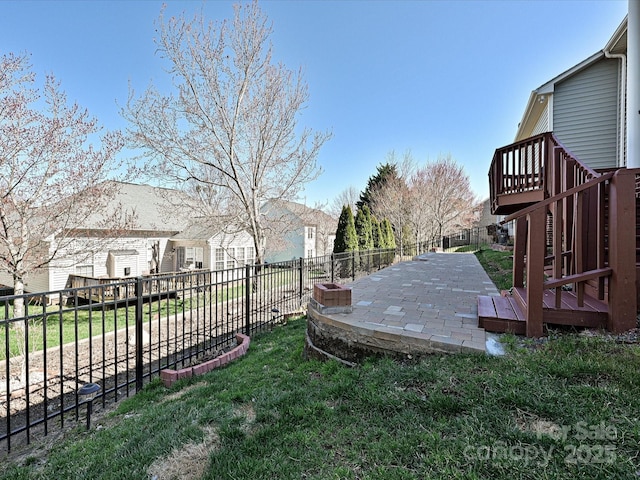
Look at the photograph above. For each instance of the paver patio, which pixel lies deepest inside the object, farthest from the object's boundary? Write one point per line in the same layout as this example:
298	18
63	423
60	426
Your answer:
428	304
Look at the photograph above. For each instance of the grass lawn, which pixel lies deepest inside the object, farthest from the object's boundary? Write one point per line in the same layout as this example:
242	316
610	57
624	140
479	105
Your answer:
565	408
498	265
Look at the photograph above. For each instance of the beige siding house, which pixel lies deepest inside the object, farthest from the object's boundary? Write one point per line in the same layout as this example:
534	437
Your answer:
204	247
161	238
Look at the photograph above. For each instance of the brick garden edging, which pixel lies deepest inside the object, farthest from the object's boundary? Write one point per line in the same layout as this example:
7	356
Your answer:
169	377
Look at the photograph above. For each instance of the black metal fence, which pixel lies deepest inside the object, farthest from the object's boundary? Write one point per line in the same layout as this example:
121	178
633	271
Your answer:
120	335
468	239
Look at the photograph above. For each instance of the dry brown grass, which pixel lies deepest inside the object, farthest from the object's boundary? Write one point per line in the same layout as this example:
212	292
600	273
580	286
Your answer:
190	461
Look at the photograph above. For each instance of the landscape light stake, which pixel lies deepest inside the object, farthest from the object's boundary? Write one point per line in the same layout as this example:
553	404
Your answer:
88	392
275	313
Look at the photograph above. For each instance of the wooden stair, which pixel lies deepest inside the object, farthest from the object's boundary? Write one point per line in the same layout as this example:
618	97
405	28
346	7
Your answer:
501	314
579	236
506	313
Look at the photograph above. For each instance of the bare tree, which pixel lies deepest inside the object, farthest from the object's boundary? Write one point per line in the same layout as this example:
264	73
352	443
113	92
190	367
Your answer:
348	197
443	198
424	203
326	226
231	127
286	221
53	167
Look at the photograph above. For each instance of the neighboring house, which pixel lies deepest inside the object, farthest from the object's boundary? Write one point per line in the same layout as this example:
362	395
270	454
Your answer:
295	231
489	224
205	247
486	217
162	237
585	106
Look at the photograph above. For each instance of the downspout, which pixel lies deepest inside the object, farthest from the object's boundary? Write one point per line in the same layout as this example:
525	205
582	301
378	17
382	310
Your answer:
633	93
622	111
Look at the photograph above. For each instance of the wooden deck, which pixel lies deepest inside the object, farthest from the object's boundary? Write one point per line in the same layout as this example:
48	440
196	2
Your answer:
575	248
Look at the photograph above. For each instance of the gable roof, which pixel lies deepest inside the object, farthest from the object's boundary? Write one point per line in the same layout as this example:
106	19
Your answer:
539	98
148	208
306	215
617	44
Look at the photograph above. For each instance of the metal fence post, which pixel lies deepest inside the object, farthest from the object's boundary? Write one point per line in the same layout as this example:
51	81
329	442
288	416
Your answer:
247	300
353	265
139	342
300	282
333	259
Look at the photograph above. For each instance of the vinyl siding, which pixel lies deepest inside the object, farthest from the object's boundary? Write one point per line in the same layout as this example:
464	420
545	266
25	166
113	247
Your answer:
542	125
585	115
64	266
289	246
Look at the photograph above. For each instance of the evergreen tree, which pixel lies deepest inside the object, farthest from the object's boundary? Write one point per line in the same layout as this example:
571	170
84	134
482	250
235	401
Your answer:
384	173
387	231
363	228
378	238
346	237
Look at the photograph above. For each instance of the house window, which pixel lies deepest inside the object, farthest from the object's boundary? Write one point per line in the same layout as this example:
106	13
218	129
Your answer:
84	270
127	271
231	261
310	253
219	258
240	255
310	233
179	257
189	257
251	256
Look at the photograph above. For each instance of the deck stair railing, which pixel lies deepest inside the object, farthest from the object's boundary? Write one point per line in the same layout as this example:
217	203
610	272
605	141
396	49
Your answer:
575	239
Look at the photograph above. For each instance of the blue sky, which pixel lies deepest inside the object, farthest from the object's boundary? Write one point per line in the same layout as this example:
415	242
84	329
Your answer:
432	77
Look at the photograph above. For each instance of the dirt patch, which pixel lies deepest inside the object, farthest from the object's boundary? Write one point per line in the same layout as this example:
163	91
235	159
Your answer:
528	422
188	462
248	414
181	393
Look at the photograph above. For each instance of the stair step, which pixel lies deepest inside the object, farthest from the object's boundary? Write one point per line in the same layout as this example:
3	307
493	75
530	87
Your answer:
592	314
500	315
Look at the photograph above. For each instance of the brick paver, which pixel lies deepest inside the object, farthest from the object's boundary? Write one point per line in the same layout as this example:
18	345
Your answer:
432	299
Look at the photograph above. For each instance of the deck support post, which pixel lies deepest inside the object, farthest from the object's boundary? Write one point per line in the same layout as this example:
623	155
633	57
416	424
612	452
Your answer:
622	252
519	246
536	243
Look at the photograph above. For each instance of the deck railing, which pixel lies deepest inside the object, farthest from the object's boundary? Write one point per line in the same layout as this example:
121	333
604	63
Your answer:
519	167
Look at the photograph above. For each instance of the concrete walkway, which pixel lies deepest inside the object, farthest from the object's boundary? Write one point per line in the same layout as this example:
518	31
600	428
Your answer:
431	300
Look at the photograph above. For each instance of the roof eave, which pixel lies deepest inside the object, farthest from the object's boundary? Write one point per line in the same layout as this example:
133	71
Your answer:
539	97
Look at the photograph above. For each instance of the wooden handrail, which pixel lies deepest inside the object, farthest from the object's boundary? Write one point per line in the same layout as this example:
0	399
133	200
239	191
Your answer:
578	277
519	167
527	140
572	191
578	227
